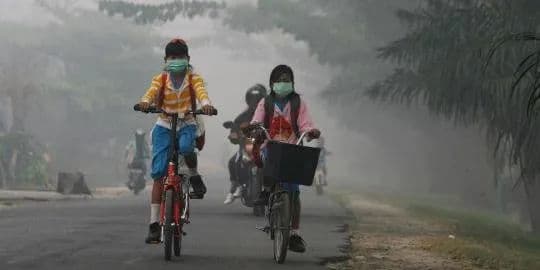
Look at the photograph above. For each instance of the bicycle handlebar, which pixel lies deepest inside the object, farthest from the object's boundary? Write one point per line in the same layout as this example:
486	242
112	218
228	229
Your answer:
259	126
154	109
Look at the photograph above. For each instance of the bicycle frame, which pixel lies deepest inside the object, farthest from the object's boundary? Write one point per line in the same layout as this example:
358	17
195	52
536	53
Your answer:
273	203
175	182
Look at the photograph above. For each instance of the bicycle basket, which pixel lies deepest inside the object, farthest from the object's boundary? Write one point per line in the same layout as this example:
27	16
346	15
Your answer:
290	163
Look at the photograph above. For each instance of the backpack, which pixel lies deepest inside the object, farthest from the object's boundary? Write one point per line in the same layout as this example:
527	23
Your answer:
295	109
199	141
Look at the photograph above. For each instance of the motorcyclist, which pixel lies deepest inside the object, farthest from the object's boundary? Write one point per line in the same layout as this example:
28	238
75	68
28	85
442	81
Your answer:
320	143
253	95
136	155
137	151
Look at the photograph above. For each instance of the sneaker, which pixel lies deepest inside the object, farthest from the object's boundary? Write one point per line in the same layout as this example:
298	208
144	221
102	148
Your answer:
229	199
154	234
199	189
238	192
264	196
297	244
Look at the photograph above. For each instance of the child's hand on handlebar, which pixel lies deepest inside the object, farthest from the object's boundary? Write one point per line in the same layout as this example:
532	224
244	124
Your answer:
314	134
208	109
144	105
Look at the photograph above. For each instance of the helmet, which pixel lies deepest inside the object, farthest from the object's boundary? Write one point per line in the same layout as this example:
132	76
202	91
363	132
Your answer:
254	94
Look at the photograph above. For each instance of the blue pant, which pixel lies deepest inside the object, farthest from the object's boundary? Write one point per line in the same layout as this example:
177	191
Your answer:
160	147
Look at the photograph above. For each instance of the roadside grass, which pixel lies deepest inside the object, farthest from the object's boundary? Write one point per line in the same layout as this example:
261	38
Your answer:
6	204
487	240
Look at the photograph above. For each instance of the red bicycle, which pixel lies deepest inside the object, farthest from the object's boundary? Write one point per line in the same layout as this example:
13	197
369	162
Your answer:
174	210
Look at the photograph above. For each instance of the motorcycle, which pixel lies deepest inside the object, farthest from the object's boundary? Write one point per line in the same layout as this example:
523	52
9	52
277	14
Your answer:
249	174
137	181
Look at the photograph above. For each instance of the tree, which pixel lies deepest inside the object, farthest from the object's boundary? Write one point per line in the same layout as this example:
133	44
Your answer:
145	13
16	65
442	63
78	84
21	162
528	70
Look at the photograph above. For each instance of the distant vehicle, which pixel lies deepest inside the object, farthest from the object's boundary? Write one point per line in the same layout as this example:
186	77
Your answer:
137	153
250	175
320	180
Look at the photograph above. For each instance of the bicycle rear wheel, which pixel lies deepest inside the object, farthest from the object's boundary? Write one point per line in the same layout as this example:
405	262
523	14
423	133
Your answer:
168	230
282	224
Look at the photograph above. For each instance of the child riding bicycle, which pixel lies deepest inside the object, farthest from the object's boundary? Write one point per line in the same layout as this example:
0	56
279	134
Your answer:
176	90
285	115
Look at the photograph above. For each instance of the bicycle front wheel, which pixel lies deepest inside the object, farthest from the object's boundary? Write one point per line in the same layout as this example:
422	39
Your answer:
168	230
177	241
282	227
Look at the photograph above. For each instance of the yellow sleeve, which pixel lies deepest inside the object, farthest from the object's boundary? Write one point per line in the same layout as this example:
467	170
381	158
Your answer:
200	89
153	90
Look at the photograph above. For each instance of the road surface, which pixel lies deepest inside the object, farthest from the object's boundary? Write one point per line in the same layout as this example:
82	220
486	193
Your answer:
109	234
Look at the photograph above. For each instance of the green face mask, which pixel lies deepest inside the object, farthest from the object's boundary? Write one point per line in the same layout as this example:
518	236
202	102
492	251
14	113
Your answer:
176	65
283	89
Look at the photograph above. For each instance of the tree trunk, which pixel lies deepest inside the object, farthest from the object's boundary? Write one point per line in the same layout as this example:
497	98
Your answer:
532	189
3	176
12	168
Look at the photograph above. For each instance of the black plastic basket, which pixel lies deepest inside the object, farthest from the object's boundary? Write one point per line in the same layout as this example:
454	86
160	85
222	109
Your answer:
290	163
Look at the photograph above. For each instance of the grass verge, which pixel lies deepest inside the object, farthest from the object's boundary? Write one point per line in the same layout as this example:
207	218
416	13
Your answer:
469	238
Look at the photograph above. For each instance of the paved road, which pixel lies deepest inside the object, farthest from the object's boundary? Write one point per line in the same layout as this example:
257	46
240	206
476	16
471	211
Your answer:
109	233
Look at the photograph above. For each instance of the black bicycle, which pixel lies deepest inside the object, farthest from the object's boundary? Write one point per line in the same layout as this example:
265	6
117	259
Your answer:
284	163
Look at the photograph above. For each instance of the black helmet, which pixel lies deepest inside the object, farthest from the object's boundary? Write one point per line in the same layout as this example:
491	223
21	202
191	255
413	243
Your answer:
254	94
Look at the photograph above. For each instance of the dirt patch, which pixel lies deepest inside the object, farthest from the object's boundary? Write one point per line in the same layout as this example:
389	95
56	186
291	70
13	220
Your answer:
386	237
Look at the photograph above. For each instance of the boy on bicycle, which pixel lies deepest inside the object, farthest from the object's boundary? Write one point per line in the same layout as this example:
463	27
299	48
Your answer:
176	90
285	115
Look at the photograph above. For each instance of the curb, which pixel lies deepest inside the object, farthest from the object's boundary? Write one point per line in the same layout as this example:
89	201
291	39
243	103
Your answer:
20	195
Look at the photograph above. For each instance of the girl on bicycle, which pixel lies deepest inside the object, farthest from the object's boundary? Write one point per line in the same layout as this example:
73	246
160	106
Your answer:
285	115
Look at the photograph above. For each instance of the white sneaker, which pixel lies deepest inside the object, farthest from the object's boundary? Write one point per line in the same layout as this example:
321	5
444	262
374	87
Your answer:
229	199
238	192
